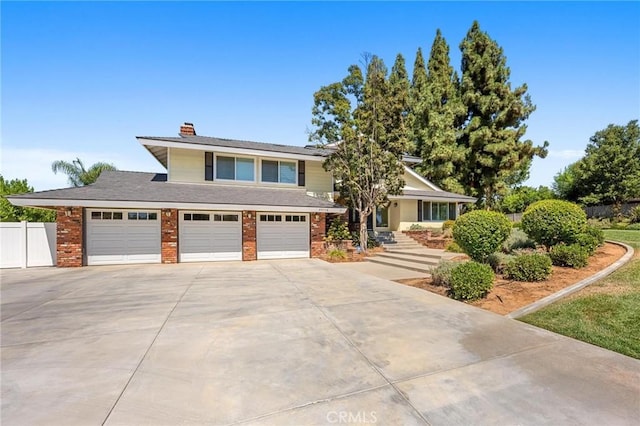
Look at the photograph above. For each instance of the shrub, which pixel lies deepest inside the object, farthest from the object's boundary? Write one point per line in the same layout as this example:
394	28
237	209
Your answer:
529	267
417	227
551	222
634	215
337	254
498	261
453	247
479	233
518	239
338	230
590	239
634	226
595	232
599	223
471	280
573	256
517	224
589	242
441	273
448	224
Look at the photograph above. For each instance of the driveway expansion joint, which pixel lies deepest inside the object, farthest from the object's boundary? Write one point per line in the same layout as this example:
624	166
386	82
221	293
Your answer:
144	356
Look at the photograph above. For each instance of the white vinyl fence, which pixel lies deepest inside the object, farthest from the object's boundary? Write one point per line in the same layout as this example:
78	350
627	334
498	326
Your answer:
24	244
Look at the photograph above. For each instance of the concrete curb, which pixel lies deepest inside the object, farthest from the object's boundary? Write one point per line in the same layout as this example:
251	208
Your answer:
577	286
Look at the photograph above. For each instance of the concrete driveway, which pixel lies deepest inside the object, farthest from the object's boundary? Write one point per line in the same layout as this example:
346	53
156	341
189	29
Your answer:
285	342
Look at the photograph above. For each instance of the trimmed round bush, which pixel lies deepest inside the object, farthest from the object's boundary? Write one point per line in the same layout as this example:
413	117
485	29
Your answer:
480	233
551	222
471	280
573	256
529	267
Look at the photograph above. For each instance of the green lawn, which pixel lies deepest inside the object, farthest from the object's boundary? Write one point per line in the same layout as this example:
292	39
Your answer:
630	237
610	318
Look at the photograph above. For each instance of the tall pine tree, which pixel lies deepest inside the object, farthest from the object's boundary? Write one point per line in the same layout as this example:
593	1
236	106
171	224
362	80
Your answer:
417	105
495	116
442	157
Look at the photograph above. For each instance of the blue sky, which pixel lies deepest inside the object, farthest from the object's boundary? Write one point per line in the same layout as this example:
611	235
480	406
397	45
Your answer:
83	79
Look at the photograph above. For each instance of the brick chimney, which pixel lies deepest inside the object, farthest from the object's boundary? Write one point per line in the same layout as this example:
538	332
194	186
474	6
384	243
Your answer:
187	129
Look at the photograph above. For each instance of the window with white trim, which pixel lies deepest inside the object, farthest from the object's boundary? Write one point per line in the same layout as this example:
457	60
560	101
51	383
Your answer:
434	211
274	171
235	168
270	218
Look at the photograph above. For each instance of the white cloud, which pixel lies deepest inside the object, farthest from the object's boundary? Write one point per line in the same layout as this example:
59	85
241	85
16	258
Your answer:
566	154
34	164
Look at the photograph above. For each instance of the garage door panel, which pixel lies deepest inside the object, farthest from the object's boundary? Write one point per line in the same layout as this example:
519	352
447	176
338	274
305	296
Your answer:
278	238
111	241
212	239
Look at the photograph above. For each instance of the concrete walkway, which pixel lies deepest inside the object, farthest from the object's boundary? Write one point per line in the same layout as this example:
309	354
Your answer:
285	342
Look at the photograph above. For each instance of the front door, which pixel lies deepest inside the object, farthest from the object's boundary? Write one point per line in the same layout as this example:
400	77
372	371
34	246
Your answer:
382	218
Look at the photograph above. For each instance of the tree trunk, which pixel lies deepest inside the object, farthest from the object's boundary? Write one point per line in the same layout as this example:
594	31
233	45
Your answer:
364	236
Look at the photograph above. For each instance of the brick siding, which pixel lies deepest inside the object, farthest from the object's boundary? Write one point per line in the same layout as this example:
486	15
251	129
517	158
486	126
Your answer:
249	247
169	235
318	227
69	236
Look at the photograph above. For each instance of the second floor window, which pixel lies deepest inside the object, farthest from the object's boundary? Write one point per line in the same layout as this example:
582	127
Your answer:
235	168
279	171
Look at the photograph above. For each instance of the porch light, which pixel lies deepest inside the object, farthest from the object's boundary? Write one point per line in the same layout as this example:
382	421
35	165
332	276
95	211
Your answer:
68	211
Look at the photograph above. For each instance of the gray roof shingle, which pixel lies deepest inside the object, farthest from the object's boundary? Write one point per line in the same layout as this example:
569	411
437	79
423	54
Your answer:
153	187
231	143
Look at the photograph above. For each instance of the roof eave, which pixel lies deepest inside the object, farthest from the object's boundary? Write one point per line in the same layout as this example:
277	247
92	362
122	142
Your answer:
53	202
158	142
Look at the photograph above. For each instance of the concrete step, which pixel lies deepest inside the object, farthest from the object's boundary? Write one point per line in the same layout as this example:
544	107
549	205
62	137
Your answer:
396	247
411	266
420	253
408	257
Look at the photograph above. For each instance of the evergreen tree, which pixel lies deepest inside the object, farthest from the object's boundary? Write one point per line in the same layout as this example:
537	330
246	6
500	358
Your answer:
442	157
495	116
417	105
398	105
358	119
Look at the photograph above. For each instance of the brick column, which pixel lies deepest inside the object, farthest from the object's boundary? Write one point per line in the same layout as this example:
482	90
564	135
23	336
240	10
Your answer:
169	235
318	225
69	236
249	248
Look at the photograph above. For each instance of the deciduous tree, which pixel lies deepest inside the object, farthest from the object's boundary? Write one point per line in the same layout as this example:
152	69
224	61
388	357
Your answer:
361	121
11	213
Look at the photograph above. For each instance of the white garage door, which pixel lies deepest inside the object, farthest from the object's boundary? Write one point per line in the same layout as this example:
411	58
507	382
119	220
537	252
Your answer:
210	236
123	236
283	235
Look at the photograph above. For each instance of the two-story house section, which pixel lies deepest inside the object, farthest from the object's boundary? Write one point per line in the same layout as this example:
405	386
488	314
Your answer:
220	199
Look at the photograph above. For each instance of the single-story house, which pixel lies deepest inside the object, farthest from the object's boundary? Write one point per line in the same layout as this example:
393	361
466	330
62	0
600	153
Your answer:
220	199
